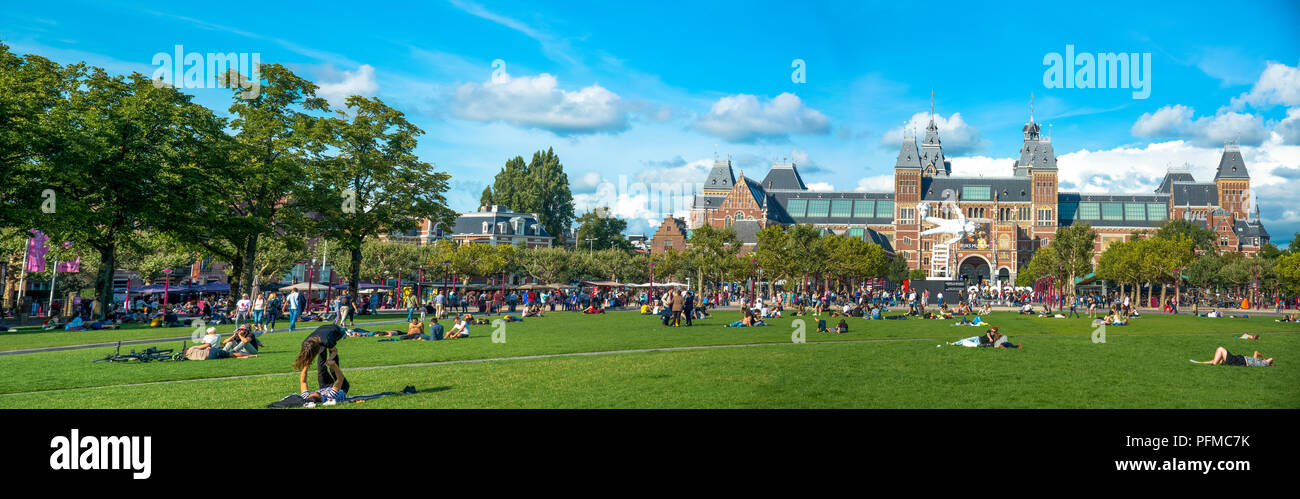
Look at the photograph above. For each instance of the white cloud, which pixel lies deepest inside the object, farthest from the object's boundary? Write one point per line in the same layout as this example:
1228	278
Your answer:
1278	84
955	134
1176	122
644	198
976	166
1167	121
876	183
1289	127
360	82
821	187
743	118
538	102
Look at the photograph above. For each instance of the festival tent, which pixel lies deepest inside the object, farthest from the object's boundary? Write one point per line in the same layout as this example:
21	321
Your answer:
212	287
603	284
305	286
159	288
363	286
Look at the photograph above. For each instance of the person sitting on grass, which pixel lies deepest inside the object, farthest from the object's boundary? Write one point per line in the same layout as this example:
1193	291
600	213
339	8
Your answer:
992	338
326	395
243	341
944	312
209	351
1027	309
460	330
749	320
1116	320
533	310
1222	357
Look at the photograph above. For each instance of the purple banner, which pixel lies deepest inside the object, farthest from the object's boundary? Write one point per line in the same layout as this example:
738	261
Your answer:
36	250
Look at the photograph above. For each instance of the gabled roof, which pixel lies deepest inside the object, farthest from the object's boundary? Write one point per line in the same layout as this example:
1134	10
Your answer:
1174	175
783	176
708	201
746	231
500	222
721	177
908	155
1194	194
1006	189
1231	165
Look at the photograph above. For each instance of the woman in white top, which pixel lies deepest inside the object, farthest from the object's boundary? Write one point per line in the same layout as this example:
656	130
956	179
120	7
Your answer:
259	309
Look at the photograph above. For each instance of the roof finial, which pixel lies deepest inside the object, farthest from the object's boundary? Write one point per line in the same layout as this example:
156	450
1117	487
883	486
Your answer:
1031	107
931	104
715	152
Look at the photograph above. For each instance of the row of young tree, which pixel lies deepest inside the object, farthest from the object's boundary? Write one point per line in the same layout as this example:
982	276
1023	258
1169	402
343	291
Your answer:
112	163
1178	252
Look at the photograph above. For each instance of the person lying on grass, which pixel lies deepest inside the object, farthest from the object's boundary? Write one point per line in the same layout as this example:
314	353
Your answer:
326	395
591	309
992	338
1287	318
1222	357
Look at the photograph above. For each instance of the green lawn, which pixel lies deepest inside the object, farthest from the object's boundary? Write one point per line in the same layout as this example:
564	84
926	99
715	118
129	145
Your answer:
33	337
1142	365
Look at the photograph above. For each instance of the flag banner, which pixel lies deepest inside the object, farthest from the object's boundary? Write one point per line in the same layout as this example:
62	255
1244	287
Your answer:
36	250
73	266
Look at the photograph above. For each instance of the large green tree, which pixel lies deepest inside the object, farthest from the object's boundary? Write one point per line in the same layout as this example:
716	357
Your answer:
1074	247
375	183
124	152
597	230
539	186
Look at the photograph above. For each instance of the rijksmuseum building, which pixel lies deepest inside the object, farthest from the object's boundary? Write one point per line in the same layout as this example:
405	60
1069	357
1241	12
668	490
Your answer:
1013	216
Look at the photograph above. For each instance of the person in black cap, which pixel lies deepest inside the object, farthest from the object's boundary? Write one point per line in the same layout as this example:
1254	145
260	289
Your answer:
322	344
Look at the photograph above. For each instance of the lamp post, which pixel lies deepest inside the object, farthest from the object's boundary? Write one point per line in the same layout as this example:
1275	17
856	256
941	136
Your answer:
590	246
652	280
753	270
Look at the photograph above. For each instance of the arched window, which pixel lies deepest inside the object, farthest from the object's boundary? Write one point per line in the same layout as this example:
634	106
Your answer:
739	215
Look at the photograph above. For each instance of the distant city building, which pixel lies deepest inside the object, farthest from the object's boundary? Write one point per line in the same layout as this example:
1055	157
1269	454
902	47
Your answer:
496	224
1014	216
672	235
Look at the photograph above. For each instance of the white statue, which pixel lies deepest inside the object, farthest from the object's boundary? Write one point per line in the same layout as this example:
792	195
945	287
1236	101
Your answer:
958	228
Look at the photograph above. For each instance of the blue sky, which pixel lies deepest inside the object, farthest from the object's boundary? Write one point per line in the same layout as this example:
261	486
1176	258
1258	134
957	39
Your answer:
649	91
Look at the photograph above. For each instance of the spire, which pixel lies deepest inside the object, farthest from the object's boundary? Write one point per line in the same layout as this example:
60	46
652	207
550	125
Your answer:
1031	107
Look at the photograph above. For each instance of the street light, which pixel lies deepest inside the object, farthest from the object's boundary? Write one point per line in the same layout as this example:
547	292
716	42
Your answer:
652	280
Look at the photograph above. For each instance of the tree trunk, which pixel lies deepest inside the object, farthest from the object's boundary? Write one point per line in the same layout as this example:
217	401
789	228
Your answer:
104	281
354	268
1162	294
250	259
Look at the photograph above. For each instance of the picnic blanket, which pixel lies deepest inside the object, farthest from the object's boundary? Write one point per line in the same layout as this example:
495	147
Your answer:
295	400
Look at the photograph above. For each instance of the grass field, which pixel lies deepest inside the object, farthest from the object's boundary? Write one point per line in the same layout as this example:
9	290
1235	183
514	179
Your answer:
879	364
